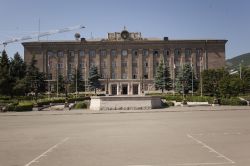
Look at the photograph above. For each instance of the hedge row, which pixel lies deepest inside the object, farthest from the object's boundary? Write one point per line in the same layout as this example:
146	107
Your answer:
42	102
23	106
80	105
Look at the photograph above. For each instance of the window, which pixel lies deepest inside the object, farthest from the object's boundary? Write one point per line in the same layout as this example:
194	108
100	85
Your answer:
60	54
103	52
124	64
177	52
92	64
198	51
81	65
134	64
50	53
187	52
145	52
155	53
134	76
145	76
166	52
59	65
81	53
124	52
145	64
92	53
135	52
113	75
124	75
71	53
113	53
113	64
103	64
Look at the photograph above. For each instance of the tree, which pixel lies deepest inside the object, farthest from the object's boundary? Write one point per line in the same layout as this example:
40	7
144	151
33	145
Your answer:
230	86
211	79
6	81
18	72
184	80
80	83
94	82
245	75
35	80
162	78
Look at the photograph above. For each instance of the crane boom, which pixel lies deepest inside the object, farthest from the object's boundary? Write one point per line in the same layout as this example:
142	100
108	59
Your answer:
38	35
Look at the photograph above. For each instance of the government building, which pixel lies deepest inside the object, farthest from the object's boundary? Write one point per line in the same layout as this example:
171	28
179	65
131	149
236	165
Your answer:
126	61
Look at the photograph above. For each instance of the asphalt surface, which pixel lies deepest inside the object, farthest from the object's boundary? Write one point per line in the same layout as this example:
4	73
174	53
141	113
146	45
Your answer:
163	138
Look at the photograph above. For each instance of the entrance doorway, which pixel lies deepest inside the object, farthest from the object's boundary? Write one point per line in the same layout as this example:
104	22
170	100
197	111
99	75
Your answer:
114	89
135	89
124	89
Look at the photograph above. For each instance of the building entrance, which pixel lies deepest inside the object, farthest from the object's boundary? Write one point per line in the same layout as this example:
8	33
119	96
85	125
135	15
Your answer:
114	89
135	89
124	89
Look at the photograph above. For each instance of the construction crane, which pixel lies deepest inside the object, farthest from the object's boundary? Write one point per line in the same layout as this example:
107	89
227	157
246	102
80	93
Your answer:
43	34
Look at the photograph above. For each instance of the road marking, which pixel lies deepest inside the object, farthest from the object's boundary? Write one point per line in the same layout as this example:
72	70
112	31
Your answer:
211	149
35	160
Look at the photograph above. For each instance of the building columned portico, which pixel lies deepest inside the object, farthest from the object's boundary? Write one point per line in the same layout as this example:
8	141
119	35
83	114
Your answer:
126	61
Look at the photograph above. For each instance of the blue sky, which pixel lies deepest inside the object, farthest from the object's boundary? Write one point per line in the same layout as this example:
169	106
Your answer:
177	19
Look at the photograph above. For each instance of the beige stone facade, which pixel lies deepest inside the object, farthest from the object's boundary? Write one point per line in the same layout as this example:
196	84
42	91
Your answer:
126	62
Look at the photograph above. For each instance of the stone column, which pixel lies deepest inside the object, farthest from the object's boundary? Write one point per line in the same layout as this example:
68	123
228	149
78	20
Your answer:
86	72
129	63
118	64
97	60
109	64
140	64
172	63
194	61
182	57
151	64
66	57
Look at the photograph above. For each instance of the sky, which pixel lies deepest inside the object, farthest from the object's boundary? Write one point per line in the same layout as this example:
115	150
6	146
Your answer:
176	19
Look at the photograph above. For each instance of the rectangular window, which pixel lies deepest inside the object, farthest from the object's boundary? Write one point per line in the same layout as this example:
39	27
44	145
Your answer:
92	53
92	64
177	52
81	65
113	64
124	75
134	52
134	64
81	53
198	51
145	76
71	53
113	76
166	52
113	53
103	64
187	52
103	52
50	53
156	53
145	64
134	76
124	64
145	52
60	54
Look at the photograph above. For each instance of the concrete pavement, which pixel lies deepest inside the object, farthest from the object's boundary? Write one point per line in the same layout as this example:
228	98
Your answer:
189	137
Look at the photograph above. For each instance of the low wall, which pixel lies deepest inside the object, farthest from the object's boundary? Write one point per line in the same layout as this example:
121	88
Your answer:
124	102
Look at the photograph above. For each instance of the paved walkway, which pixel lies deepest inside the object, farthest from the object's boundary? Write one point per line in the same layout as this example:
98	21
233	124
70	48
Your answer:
170	109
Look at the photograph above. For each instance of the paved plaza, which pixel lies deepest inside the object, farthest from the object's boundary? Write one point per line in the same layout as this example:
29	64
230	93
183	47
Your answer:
187	137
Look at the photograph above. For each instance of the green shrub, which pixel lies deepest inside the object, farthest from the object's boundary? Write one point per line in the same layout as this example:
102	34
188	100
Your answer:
177	98
80	105
43	102
232	101
24	106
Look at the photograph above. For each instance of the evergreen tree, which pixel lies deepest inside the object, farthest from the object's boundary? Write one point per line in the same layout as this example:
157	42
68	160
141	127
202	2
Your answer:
162	78
35	80
184	80
94	82
6	82
18	72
